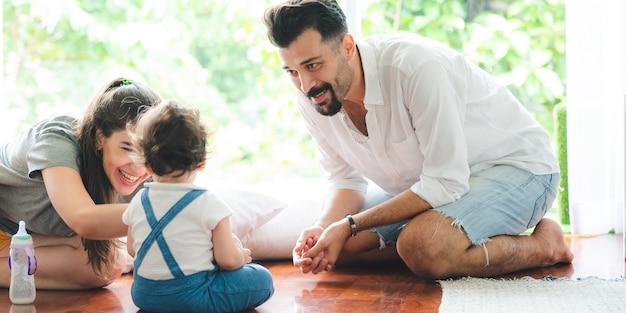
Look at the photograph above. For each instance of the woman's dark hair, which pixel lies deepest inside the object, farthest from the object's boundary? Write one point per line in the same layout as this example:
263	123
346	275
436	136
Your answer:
111	109
288	20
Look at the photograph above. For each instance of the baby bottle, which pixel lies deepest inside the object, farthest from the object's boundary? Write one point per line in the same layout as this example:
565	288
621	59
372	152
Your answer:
23	264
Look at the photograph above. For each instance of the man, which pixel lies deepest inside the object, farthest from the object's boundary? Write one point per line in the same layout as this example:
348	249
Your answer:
466	167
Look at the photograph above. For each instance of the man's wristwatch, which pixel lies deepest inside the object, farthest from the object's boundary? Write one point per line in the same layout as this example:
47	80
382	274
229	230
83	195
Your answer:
352	225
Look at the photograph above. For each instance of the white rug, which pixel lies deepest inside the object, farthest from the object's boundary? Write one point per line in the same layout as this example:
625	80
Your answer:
528	295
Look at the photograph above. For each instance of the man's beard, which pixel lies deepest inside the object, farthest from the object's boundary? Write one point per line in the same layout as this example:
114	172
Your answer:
332	105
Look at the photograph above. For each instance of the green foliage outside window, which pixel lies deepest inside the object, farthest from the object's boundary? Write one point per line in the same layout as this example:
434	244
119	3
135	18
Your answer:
560	120
521	42
214	55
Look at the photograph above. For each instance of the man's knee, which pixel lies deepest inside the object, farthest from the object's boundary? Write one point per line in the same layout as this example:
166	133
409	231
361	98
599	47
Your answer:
423	253
423	264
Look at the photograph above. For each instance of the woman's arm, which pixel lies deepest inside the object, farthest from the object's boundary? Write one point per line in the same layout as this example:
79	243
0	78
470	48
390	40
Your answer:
73	203
229	255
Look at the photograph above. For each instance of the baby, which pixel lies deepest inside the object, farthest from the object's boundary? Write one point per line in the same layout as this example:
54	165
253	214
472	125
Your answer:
187	259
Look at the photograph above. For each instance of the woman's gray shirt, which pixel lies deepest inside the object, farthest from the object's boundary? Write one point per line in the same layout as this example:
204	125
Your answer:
23	195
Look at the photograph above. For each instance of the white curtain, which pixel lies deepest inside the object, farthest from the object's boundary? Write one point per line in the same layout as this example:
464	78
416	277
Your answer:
596	89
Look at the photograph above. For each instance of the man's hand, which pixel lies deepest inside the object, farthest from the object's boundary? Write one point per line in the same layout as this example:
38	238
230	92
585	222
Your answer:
324	251
308	239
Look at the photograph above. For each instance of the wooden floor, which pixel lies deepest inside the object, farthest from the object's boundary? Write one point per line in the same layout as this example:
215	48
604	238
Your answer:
390	288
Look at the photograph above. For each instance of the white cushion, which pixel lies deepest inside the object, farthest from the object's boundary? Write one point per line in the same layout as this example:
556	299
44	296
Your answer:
276	239
251	209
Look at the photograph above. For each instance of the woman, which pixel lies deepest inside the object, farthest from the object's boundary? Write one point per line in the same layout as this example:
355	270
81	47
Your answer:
62	177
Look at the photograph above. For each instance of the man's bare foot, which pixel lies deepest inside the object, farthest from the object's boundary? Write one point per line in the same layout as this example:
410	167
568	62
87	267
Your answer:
550	234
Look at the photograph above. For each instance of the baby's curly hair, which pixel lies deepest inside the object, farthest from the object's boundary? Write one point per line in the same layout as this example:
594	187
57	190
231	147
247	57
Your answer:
171	138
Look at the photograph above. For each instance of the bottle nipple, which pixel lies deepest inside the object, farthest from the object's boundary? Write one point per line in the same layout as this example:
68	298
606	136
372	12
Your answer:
21	231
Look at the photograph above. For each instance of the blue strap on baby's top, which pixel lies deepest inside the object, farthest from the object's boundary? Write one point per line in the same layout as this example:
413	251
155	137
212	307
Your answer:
156	234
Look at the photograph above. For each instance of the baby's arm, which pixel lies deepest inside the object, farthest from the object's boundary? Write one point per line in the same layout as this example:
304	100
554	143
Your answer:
129	243
229	254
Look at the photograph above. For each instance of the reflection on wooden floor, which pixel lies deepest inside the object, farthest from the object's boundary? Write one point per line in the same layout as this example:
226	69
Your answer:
381	288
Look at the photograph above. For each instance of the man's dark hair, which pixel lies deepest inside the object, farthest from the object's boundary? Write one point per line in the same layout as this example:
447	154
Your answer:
288	20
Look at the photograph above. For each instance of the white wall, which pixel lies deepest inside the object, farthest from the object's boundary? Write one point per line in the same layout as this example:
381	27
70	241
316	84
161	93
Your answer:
596	57
353	9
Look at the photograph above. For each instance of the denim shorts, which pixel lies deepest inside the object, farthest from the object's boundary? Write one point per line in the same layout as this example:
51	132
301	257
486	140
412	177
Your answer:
503	200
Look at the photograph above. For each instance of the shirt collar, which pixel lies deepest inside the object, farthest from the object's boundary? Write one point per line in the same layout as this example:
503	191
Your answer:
373	93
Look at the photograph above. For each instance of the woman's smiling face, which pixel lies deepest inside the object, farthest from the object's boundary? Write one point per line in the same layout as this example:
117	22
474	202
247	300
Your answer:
124	174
